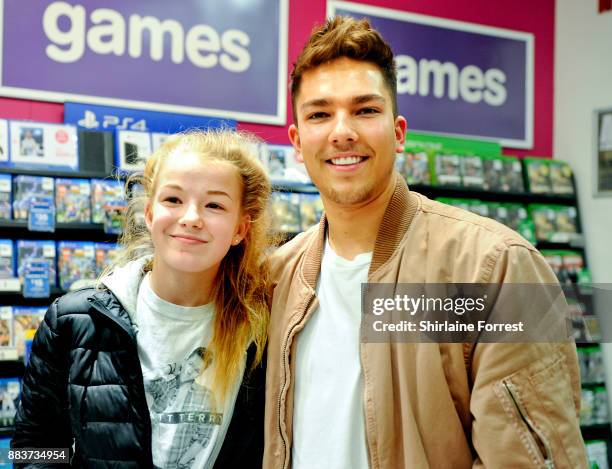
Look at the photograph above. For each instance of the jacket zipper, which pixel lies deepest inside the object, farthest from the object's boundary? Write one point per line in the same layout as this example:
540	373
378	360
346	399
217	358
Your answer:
103	310
286	366
536	434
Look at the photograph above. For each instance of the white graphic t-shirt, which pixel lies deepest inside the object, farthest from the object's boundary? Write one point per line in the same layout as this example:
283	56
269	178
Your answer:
188	426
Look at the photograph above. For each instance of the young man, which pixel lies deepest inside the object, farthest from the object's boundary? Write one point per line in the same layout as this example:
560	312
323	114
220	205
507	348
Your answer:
335	401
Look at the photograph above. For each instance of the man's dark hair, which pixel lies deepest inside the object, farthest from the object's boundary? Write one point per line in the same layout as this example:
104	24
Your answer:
343	36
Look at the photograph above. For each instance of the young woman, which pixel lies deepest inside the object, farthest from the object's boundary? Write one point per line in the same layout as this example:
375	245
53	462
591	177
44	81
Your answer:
160	364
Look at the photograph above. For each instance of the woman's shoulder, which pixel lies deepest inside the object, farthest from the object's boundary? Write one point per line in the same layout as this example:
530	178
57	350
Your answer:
76	301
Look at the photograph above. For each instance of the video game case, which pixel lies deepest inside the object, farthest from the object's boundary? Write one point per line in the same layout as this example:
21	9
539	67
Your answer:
285	212
105	192
276	161
414	166
555	260
105	254
597	454
4	142
493	172
447	170
44	145
133	150
72	200
10	389
566	221
7	258
561	177
311	209
592	369
76	262
517	214
544	218
6	197
26	320
31	250
471	171
538	175
6	326
25	189
512	177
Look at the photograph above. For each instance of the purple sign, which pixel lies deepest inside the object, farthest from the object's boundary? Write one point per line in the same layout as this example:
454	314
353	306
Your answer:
457	78
194	56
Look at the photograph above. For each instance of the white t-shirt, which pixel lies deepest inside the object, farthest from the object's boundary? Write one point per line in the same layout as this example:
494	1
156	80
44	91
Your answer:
328	415
188	427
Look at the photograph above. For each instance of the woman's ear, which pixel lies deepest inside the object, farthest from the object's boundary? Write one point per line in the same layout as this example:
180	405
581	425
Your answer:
242	229
148	215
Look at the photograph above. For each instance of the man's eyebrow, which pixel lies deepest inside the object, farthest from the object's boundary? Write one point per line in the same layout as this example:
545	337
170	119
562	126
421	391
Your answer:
315	103
367	98
361	99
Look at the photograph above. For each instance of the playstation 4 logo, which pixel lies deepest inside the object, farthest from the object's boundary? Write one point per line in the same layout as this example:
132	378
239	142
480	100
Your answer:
109	122
89	121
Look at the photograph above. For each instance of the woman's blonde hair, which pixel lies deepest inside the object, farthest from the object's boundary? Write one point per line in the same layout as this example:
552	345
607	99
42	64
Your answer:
241	287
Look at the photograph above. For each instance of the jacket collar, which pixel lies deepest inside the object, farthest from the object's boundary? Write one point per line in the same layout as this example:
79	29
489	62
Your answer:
396	221
124	283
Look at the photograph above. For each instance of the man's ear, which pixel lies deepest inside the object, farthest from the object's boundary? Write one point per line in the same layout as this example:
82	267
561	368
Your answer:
294	137
401	126
148	215
242	229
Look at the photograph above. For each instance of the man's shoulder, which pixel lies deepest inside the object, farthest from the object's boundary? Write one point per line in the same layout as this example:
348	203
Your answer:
446	222
287	255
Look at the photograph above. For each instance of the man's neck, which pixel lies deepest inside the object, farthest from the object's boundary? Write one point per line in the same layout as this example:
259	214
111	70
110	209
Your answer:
353	229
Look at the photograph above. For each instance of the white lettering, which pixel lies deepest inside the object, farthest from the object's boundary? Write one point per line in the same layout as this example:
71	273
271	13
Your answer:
407	72
202	38
235	43
432	77
156	29
495	94
110	33
74	37
440	72
471	84
108	24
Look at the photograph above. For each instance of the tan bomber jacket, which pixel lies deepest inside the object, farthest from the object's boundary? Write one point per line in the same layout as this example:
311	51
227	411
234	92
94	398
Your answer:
435	405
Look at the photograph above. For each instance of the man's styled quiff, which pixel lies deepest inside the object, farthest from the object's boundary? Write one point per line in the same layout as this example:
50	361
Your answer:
343	36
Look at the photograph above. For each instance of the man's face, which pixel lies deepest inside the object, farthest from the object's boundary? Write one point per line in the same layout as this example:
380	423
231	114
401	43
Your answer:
346	133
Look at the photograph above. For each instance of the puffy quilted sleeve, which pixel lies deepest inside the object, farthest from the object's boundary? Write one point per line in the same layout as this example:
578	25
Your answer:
42	419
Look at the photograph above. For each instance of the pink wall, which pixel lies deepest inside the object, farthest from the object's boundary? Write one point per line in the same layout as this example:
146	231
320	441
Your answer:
537	17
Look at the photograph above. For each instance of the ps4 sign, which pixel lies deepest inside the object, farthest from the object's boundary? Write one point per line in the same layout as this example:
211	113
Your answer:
457	78
200	57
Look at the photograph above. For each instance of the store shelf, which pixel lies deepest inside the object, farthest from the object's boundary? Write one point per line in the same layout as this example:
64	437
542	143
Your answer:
596	384
54	173
18	229
16	298
11	368
495	196
6	432
600	431
455	192
294	187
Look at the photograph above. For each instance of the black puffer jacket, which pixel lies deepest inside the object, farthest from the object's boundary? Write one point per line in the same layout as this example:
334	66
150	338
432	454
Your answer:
84	384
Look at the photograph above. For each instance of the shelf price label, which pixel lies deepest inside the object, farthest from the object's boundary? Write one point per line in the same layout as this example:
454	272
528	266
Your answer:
41	216
36	279
10	284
